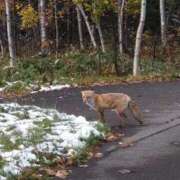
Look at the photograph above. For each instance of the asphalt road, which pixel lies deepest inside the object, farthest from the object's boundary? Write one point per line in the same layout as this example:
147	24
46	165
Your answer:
153	158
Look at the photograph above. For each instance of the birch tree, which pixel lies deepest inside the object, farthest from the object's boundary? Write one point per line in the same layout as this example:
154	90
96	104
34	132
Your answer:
42	26
163	22
11	45
87	25
139	38
97	9
56	27
1	45
1	48
98	26
121	4
79	20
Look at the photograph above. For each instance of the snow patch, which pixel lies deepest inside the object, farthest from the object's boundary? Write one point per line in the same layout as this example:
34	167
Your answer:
51	88
33	86
31	128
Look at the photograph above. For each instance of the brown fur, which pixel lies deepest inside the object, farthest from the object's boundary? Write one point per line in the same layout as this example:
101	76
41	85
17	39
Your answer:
116	101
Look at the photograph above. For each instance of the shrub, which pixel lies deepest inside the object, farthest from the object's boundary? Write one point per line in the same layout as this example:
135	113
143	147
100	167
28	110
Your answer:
16	88
152	66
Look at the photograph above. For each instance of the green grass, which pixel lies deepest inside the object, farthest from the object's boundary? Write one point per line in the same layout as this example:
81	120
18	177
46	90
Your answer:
2	83
21	115
45	124
82	156
17	88
2	110
7	144
2	162
103	128
35	136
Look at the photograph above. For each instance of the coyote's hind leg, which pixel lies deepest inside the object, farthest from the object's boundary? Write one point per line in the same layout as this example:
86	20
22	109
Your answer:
122	117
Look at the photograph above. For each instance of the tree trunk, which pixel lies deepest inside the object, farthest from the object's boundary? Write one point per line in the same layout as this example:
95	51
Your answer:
139	38
42	20
88	26
68	26
1	48
79	20
115	44
56	27
126	30
1	43
10	34
101	37
121	4
163	22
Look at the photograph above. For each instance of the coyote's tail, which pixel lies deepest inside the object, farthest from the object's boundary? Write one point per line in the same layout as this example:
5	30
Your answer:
136	111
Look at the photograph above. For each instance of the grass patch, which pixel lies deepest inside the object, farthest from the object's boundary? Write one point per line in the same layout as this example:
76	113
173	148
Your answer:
21	115
2	163
35	136
103	128
44	124
2	83
7	144
2	110
83	155
17	88
45	138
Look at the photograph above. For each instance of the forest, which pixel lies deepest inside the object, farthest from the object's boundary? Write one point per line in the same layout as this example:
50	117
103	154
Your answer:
80	40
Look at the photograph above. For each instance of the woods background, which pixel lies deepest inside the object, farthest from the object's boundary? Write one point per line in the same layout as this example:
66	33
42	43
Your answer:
51	39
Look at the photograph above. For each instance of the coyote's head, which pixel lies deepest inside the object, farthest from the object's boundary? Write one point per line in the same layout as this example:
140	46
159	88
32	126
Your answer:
87	96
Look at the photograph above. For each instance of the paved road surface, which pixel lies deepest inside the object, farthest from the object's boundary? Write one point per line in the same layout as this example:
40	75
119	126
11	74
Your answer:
153	158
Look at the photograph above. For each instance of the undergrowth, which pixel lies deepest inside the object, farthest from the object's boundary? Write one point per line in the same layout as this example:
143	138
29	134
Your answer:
79	67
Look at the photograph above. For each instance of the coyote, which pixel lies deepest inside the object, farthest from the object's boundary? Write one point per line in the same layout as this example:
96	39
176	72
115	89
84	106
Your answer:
115	101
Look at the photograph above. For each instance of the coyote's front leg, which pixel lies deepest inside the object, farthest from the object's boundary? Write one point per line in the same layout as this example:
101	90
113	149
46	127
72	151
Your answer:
101	116
122	117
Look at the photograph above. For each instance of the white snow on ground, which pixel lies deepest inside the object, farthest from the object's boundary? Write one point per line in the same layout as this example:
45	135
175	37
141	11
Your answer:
54	87
42	88
1	89
27	128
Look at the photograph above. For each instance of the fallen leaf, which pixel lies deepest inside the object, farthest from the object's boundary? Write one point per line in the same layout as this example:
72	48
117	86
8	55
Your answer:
62	174
124	171
50	172
98	155
90	155
69	162
61	161
113	136
125	145
83	165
